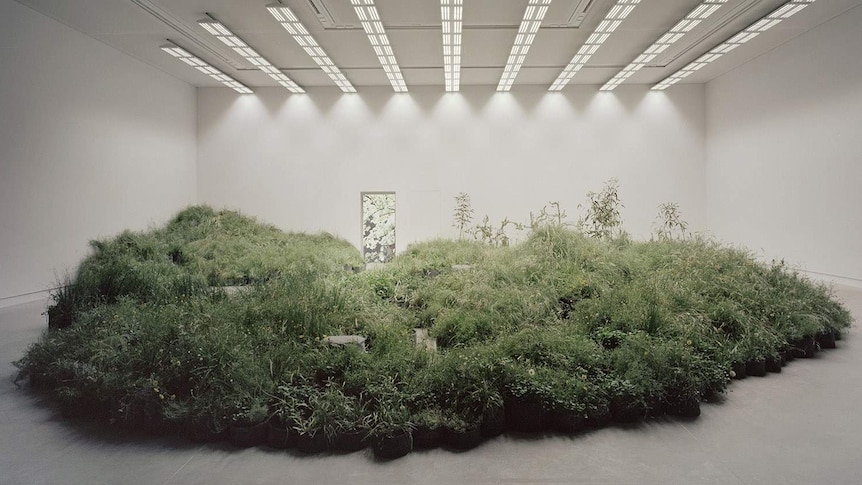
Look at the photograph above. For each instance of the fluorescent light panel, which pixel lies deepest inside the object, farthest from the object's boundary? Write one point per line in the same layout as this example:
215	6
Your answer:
608	25
530	24
290	22
239	46
370	20
770	20
205	68
450	13
695	17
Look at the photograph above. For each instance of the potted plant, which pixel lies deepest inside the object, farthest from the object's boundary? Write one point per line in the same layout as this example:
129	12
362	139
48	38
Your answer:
627	400
756	363
461	430
427	428
391	431
66	302
737	362
526	390
773	361
249	425
826	339
278	434
344	420
296	406
568	400
205	420
310	438
493	417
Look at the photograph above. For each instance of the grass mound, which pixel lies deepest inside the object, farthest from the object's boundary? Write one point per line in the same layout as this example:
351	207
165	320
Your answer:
561	330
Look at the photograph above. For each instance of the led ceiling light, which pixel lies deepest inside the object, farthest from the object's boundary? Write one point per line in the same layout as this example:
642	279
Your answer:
205	68
695	17
612	20
450	13
770	20
533	16
287	19
231	40
370	19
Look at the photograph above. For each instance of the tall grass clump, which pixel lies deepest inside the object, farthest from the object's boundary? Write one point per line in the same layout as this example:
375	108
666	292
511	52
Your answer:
565	329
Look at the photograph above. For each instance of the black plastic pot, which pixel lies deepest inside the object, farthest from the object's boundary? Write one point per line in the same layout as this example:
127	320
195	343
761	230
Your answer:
597	418
826	340
425	437
246	436
462	440
41	381
808	346
311	443
788	354
157	426
756	367
59	319
395	446
278	436
74	409
494	423
738	369
626	409
683	408
202	430
525	416
838	335
568	422
773	364
349	441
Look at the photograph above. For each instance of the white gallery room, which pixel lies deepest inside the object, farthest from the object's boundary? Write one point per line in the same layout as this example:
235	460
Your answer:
430	241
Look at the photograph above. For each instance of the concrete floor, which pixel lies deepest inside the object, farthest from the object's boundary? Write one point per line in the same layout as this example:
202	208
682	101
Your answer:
802	426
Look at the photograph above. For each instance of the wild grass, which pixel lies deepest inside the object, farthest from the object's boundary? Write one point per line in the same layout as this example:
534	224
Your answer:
572	323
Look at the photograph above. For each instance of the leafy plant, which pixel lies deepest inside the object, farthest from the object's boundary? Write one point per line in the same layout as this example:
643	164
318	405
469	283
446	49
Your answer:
463	213
66	300
495	236
601	218
544	218
669	223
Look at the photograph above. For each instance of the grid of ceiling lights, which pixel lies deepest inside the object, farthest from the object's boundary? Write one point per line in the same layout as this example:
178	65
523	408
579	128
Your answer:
285	16
530	24
233	41
695	17
450	13
205	68
770	20
370	20
609	24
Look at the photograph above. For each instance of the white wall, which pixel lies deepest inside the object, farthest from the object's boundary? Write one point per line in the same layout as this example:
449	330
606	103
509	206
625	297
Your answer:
784	163
91	142
300	162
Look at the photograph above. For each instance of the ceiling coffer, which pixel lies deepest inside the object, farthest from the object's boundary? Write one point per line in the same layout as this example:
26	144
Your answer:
324	15
579	13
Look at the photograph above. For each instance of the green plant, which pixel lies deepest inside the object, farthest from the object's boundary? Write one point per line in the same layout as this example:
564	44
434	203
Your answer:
544	218
495	236
252	413
428	417
580	324
669	223
601	218
66	300
463	213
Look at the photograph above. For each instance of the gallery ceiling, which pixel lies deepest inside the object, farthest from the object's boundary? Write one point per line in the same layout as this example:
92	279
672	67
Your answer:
414	31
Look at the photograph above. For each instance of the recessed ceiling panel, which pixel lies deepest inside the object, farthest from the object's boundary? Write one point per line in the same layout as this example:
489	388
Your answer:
139	27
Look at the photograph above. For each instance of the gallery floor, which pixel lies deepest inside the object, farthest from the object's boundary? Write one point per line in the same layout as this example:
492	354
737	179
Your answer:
802	426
